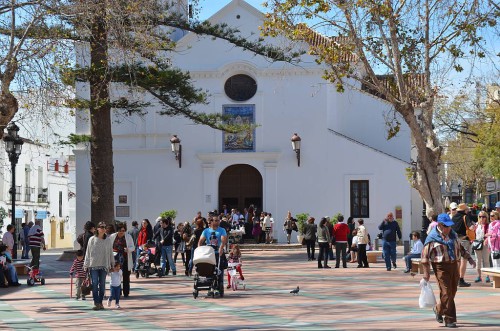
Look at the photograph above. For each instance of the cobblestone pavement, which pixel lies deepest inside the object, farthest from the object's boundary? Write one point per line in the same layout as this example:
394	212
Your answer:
329	299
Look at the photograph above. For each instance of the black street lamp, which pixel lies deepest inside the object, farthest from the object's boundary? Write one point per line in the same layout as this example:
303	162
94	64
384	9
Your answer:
459	193
13	146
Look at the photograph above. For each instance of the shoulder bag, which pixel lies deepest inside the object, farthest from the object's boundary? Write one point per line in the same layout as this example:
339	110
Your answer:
477	245
471	234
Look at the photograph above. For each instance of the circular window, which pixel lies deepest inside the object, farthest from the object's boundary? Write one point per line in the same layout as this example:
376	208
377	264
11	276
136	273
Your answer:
240	87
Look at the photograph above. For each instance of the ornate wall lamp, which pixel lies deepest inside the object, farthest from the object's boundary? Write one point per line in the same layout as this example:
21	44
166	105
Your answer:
176	148
296	146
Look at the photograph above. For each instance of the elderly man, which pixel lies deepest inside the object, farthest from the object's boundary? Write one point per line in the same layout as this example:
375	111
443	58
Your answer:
390	228
443	251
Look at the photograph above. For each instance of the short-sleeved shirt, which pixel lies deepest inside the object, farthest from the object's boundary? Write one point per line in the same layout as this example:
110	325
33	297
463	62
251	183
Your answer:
214	237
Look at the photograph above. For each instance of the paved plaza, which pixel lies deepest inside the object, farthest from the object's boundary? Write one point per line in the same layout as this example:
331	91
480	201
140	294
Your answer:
329	299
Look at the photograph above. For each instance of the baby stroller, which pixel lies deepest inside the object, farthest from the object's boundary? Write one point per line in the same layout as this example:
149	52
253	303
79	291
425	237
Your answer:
207	274
234	275
146	262
35	276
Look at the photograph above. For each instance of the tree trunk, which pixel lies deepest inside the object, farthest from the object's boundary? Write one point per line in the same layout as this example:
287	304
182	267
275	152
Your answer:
101	147
426	180
8	108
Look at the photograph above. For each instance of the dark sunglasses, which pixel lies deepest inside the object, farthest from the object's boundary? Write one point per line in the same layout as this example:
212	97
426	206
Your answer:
483	216
101	227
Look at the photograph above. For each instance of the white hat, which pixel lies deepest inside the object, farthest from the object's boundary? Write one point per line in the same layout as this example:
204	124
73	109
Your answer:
453	205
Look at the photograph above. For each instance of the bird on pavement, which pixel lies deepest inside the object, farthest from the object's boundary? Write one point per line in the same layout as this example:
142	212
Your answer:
295	291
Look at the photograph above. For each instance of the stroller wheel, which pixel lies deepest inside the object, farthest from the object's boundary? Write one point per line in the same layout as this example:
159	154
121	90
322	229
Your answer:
137	274
195	294
42	281
147	274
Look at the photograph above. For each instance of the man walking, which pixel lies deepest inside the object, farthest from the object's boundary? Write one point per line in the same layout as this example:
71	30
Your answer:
390	228
165	237
461	221
443	251
216	237
340	231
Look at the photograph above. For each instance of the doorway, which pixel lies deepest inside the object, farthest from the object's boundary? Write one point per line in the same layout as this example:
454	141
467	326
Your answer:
240	186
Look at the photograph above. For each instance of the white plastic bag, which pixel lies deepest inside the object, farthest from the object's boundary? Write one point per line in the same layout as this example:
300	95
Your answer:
427	298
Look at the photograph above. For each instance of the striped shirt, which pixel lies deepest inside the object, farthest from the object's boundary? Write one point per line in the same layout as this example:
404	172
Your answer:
77	268
435	252
36	236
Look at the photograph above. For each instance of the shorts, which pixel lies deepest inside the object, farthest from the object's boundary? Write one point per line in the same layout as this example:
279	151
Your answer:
467	246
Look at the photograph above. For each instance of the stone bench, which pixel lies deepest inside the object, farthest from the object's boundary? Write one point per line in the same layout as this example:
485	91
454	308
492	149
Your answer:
416	265
494	274
20	266
373	255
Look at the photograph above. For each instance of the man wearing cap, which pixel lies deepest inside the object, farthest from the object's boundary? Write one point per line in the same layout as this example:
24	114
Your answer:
460	221
443	251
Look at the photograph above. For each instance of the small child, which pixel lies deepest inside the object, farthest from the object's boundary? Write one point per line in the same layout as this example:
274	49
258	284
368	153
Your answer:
76	270
354	246
115	285
235	257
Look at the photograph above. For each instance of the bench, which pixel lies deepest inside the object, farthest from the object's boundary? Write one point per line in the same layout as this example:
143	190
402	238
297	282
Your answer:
373	255
416	265
20	266
494	274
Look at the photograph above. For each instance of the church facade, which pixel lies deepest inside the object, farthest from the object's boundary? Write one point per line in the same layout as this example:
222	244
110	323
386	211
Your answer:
345	163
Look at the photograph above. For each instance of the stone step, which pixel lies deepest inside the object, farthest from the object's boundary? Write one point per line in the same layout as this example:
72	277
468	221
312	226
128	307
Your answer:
268	247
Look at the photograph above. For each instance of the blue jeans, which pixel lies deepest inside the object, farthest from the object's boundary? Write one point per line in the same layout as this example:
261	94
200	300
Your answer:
13	273
166	254
98	284
408	259
389	248
26	250
115	294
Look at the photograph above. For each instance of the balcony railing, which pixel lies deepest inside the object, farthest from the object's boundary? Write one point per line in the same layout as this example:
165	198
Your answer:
29	194
18	193
42	195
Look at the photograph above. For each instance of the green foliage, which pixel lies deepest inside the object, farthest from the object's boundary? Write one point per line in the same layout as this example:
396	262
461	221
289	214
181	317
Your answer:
169	213
301	221
3	215
75	139
335	218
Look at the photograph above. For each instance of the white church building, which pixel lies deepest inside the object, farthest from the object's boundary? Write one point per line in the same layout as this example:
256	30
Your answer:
346	163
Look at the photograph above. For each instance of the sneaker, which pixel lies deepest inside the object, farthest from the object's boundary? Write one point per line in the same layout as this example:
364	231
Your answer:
394	265
478	280
451	325
463	283
109	303
117	306
406	271
487	280
439	318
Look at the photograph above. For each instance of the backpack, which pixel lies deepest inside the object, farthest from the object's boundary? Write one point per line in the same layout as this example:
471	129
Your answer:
471	234
80	239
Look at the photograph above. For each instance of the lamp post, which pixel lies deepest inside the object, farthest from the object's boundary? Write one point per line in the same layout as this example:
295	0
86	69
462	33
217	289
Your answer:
460	193
176	148
296	146
13	147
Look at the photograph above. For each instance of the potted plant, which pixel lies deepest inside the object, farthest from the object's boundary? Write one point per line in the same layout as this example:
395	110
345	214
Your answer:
301	222
169	213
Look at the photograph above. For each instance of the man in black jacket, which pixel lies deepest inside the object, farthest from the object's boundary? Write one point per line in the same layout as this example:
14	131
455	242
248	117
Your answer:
165	237
460	222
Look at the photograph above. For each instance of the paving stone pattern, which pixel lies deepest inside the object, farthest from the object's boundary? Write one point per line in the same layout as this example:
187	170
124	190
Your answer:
329	299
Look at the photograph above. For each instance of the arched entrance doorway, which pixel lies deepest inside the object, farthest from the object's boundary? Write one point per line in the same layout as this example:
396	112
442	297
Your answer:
240	186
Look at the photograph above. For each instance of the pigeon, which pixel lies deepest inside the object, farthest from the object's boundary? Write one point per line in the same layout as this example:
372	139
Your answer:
295	291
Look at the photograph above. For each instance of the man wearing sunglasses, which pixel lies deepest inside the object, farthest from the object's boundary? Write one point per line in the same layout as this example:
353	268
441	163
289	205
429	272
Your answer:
442	250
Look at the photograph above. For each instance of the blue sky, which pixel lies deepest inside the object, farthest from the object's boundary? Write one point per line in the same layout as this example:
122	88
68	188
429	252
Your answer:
210	7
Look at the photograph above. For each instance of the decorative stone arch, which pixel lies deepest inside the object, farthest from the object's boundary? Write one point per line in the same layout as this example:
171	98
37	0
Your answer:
240	185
